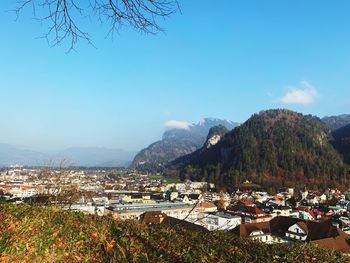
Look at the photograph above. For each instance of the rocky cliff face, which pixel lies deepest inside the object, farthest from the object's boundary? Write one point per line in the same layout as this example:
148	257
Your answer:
176	143
215	134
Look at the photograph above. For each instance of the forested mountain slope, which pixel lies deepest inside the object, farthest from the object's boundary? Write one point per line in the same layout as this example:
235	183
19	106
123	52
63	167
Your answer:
272	148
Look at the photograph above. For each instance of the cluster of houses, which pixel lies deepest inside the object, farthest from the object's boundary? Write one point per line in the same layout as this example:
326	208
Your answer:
268	219
18	183
285	217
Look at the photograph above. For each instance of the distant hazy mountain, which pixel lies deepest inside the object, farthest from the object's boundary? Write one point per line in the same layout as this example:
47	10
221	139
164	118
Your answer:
336	122
273	148
94	156
176	143
10	155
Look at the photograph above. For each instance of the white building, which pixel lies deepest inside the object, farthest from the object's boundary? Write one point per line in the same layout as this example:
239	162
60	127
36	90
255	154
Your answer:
218	221
298	231
213	221
87	208
19	192
283	211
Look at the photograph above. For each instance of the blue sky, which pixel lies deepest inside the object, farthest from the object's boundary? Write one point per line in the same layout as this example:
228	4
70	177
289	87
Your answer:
226	60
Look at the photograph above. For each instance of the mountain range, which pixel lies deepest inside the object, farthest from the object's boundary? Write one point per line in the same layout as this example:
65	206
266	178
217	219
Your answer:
175	143
273	148
336	122
10	155
267	144
79	156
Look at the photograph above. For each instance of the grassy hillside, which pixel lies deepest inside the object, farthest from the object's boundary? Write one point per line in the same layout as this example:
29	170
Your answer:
41	234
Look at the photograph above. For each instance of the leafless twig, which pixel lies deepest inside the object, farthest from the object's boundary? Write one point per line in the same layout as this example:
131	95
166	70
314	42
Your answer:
64	17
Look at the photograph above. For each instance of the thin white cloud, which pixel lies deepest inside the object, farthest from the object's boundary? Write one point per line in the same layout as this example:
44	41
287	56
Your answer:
173	124
304	95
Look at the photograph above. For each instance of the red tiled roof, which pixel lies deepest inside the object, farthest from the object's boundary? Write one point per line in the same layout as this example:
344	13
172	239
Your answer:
207	204
247	202
323	234
316	230
244	230
245	209
278	198
303	226
340	244
23	187
152	217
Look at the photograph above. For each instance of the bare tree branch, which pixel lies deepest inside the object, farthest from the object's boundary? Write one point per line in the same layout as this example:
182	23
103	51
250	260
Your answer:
63	16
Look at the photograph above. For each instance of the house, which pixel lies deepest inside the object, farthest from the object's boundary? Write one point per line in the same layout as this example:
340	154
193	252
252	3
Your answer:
179	210
20	190
338	243
335	194
293	228
218	221
152	217
208	206
280	211
311	199
100	201
198	185
277	200
305	213
298	231
181	187
249	214
286	229
171	195
322	198
342	222
190	198
304	193
261	197
137	198
256	231
87	208
315	231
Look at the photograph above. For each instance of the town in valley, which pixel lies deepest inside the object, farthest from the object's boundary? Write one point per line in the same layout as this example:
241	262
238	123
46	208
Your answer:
285	216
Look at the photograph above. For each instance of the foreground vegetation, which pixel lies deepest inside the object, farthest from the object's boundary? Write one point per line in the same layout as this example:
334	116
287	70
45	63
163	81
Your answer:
47	234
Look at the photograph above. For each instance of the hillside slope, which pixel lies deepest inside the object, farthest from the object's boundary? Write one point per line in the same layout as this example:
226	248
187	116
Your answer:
11	155
176	143
336	122
342	142
43	234
272	148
